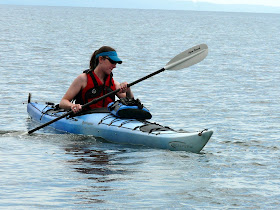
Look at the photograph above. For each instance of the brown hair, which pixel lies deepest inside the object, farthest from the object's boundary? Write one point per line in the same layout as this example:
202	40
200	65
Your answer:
94	61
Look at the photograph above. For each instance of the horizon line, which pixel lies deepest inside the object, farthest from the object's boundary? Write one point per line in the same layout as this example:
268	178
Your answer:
244	10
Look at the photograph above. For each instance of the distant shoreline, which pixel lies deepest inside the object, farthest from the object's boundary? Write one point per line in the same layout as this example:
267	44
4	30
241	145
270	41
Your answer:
163	5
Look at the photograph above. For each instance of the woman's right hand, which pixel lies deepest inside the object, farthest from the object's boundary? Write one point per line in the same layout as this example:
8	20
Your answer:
76	108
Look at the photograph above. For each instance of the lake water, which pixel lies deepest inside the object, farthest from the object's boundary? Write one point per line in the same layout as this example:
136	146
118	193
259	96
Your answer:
234	91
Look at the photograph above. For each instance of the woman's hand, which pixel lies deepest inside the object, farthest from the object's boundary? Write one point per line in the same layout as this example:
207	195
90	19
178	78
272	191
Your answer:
123	87
124	90
76	108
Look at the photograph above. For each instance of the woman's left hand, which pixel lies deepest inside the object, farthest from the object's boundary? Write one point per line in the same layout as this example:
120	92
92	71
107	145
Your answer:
123	87
124	90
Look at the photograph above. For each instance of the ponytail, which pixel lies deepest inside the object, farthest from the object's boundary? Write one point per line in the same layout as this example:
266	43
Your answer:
93	61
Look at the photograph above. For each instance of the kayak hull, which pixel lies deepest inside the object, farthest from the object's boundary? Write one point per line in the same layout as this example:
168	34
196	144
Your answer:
125	131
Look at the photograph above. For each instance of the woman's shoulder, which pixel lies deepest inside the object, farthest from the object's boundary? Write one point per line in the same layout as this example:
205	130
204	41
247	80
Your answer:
81	80
82	77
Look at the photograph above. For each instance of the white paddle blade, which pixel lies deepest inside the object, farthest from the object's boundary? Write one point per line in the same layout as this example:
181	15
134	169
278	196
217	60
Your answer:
188	58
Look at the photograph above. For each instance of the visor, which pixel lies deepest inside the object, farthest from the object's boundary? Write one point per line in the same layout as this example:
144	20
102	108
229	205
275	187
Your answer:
112	55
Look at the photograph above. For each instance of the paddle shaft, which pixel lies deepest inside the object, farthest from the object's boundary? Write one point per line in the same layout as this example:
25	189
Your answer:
95	101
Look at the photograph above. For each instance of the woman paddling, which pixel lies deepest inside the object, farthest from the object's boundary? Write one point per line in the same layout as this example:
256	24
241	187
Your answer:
96	82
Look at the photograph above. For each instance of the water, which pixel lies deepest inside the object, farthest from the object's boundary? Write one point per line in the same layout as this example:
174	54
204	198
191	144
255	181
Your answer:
234	91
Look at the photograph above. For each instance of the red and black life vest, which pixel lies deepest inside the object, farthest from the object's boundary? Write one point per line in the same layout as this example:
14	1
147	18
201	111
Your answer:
95	89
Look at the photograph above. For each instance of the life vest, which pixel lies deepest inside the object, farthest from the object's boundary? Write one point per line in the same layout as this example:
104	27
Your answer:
95	89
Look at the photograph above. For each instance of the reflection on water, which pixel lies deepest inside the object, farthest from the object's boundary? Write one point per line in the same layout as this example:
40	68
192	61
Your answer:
103	168
94	162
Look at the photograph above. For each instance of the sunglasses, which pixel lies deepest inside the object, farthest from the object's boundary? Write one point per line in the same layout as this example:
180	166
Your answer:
111	61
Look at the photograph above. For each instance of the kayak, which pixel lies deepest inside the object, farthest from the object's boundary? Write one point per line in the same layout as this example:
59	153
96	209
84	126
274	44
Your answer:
100	123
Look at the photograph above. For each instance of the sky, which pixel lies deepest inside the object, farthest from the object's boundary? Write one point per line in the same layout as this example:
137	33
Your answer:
274	3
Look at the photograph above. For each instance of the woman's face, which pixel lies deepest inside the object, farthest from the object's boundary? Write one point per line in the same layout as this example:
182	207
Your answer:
107	65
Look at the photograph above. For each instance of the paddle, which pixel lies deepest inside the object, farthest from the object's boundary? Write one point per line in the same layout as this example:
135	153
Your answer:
182	60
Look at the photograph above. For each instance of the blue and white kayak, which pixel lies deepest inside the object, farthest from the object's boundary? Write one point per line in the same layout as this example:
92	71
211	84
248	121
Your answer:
101	123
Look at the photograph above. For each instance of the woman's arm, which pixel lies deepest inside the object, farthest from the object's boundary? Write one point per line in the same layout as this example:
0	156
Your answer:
78	84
